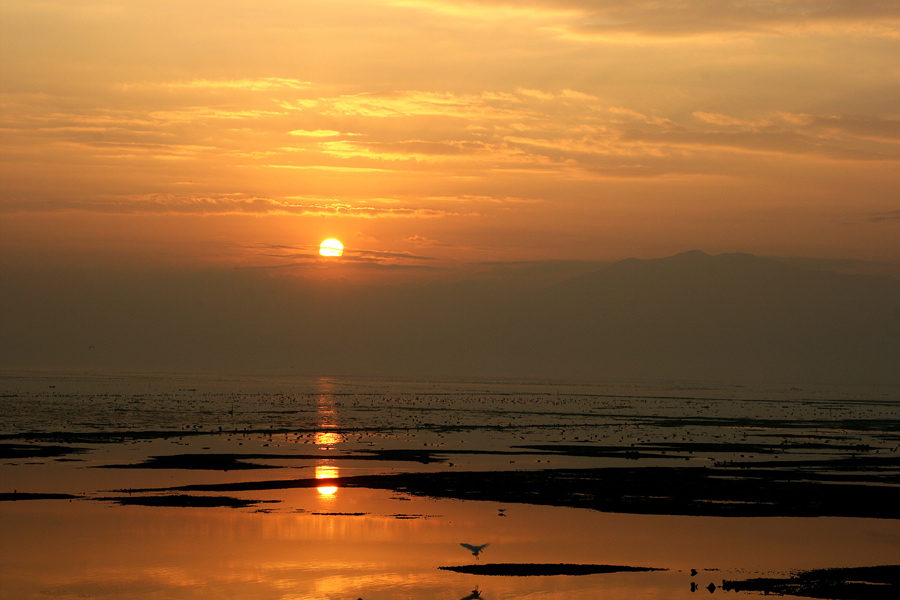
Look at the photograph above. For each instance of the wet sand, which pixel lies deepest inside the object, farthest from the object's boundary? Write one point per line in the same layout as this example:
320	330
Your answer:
651	490
857	486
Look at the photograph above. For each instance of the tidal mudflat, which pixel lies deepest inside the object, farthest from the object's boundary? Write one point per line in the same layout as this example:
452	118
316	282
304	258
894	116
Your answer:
182	486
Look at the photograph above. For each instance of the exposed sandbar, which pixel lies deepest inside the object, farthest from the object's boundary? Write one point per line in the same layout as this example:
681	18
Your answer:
694	491
858	583
183	500
14	451
13	496
542	569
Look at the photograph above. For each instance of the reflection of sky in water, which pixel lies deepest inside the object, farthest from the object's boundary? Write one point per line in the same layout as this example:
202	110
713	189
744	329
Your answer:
326	415
335	544
324	471
324	439
326	418
363	547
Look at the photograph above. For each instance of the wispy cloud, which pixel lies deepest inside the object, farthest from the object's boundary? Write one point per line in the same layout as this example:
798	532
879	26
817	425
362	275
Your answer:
526	133
279	256
230	204
729	121
317	133
156	204
862	127
624	19
420	103
258	84
891	215
207	113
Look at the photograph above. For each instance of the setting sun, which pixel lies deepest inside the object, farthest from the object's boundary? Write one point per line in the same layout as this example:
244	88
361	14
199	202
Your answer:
593	223
331	247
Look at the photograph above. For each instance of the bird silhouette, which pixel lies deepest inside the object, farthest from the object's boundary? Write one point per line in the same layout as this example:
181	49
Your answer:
474	595
475	550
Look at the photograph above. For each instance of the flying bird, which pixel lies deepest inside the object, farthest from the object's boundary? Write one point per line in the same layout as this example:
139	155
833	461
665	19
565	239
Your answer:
475	550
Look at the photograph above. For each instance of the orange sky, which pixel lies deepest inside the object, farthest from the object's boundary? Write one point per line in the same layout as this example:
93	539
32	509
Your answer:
184	132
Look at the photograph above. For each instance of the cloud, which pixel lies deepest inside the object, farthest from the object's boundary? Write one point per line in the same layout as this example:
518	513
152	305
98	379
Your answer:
207	113
279	256
466	140
495	10
483	200
538	94
728	121
864	127
891	215
159	204
419	150
622	20
318	133
420	240
258	84
773	142
371	212
233	204
418	103
381	255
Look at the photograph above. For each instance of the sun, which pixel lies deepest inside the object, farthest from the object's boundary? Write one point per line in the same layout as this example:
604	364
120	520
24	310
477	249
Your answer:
331	247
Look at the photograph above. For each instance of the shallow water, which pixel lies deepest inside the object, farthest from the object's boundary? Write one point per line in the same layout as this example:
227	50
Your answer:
337	543
82	548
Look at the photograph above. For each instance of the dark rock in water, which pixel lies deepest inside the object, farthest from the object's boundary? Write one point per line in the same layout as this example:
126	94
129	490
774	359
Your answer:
725	492
857	583
37	451
542	569
201	462
183	500
655	490
6	497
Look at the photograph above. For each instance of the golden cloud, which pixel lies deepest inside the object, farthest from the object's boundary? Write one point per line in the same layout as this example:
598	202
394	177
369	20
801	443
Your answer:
257	84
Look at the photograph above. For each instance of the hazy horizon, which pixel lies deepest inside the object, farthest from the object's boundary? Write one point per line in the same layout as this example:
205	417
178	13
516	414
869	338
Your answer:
731	317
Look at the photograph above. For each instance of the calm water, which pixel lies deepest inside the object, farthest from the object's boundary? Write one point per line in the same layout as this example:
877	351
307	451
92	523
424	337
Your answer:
348	543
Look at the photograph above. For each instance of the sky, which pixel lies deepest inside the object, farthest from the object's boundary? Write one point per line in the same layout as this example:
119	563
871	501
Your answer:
443	138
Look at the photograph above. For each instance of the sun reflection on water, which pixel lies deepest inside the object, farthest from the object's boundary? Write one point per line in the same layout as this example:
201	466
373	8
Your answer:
327	473
326	439
326	413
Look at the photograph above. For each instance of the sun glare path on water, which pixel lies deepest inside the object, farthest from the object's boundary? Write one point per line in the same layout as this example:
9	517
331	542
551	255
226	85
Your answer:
331	247
327	474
